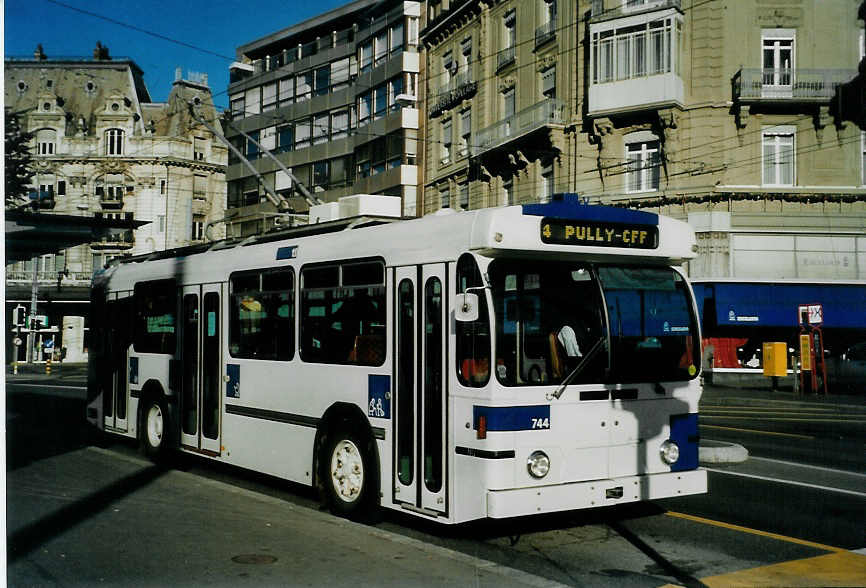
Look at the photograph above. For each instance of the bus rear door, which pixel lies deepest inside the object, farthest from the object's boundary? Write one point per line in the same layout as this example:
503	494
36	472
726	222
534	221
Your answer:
201	360
118	338
420	465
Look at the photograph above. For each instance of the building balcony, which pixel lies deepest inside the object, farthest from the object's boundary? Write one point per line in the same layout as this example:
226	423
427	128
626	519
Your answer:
788	84
111	202
122	241
545	33
505	58
636	93
541	114
461	87
618	9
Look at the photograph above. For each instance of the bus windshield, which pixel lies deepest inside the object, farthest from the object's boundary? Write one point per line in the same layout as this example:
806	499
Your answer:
549	315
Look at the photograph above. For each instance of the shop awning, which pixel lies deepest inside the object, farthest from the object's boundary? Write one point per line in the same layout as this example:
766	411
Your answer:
774	304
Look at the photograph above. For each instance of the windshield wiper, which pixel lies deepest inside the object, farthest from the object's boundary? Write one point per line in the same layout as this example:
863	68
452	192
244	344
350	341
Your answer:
599	345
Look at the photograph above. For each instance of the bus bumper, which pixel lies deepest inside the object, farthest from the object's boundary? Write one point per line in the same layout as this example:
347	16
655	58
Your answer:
595	493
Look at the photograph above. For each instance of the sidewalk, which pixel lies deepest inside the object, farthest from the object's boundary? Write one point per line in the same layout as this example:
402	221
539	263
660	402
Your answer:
37	371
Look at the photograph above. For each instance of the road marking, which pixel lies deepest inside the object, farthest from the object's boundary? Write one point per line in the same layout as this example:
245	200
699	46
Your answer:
833	569
47	386
751	531
790	420
791	482
812	467
759	432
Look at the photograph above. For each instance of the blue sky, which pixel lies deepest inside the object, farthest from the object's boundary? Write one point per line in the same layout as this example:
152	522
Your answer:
216	27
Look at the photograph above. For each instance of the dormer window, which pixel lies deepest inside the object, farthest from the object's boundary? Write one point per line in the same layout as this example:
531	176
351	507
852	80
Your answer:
46	139
22	86
46	106
90	87
114	142
115	106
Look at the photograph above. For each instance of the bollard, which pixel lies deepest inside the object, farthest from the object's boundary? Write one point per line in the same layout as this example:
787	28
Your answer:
15	368
48	365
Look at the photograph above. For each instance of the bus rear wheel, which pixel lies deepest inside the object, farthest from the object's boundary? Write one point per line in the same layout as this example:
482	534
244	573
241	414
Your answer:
154	429
348	475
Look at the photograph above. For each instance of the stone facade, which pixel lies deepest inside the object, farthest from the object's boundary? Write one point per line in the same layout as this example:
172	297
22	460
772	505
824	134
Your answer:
721	113
102	148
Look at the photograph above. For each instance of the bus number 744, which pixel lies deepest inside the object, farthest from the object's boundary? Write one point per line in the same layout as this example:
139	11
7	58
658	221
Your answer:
541	423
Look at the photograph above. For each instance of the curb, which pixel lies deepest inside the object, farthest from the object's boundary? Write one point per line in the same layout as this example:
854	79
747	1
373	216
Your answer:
716	452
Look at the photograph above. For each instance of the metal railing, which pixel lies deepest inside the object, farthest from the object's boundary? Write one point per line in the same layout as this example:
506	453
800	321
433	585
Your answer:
789	83
527	120
505	57
545	33
460	86
616	8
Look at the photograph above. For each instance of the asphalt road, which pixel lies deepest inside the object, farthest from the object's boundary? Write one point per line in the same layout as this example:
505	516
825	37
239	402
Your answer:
765	521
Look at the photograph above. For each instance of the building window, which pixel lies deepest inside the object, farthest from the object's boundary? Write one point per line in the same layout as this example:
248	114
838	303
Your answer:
447	64
546	184
412	38
285	138
198	144
160	223
302	133
548	83
381	47
320	176
269	96
320	128
508	107
778	156
286	91
635	51
642	166
465	132
397	39
366	56
445	155
323	80
162	187
365	107
381	101
114	142
197	230
252	146
339	123
238	106
463	191
395	88
253	100
444	197
465	58
46	140
777	60
340	74
303	86
510	23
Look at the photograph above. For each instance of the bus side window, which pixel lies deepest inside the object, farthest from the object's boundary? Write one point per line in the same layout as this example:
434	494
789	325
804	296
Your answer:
343	313
262	315
155	317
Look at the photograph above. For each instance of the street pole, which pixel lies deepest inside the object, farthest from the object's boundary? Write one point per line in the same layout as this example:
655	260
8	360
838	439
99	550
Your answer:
34	292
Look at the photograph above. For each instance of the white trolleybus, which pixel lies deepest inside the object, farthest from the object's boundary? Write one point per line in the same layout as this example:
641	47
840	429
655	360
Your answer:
492	363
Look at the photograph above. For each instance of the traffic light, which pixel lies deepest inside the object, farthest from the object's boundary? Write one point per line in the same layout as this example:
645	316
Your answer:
19	316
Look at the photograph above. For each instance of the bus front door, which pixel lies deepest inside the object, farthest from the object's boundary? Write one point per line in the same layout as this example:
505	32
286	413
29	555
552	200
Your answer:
419	415
201	361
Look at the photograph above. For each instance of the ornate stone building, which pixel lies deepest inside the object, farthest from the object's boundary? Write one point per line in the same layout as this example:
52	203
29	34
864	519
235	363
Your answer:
103	149
719	112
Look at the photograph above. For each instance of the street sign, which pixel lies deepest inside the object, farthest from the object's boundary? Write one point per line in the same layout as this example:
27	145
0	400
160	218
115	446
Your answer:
814	314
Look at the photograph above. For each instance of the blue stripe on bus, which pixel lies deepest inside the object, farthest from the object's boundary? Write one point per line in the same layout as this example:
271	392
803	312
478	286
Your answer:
684	432
568	206
513	418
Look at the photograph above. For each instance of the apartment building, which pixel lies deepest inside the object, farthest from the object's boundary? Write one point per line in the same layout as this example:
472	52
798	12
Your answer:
102	148
334	99
720	112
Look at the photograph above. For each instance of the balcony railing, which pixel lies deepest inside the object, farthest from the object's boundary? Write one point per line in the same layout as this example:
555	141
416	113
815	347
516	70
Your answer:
545	33
505	57
617	9
460	87
548	112
789	83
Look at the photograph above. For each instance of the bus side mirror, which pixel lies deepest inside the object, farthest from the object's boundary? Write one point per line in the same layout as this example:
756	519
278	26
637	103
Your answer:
466	307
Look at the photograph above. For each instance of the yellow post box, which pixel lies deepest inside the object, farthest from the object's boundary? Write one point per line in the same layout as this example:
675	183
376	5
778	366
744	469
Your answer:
775	359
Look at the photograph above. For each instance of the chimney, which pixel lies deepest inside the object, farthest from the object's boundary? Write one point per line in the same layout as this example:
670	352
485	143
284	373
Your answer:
39	53
100	52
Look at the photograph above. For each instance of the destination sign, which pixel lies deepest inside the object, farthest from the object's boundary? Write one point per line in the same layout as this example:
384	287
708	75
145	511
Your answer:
598	234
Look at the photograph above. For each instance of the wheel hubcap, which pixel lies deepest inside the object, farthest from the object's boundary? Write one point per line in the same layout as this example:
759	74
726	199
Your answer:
347	471
154	425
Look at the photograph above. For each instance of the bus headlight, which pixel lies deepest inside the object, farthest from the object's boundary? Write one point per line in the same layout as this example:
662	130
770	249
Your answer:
670	452
538	464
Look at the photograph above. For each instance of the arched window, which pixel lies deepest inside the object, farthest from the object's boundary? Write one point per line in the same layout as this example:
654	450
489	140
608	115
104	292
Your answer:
46	141
114	142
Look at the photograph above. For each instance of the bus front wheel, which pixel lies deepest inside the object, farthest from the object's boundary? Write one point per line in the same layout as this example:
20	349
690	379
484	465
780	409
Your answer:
349	475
